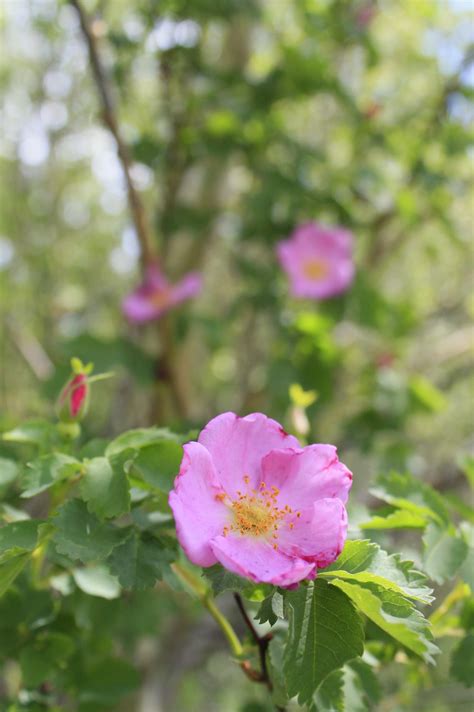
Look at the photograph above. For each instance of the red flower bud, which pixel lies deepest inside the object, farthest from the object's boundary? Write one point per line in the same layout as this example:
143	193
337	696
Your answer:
73	400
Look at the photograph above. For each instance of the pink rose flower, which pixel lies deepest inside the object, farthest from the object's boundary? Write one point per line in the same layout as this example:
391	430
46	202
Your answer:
155	295
249	497
318	260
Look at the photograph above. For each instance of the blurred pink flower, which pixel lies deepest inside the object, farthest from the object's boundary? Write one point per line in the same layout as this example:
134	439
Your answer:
248	496
318	260
155	295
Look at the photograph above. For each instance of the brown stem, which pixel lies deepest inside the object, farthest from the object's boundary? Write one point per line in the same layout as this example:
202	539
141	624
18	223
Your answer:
148	252
261	642
109	116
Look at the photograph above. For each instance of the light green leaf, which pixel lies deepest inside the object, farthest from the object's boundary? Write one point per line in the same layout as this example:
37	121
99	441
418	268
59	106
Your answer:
366	562
400	519
325	632
393	613
34	432
104	487
141	560
81	535
97	581
444	553
406	492
462	661
466	464
45	471
426	395
8	472
10	567
138	438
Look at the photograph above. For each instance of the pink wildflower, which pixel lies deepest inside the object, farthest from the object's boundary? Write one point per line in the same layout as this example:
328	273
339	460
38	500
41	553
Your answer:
318	260
155	295
248	496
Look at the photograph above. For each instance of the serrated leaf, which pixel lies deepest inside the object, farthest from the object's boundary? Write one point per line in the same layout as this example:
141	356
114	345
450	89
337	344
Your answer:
45	471
329	697
96	580
140	561
138	438
325	632
406	492
462	661
444	553
158	463
400	519
271	608
365	561
104	487
393	613
81	535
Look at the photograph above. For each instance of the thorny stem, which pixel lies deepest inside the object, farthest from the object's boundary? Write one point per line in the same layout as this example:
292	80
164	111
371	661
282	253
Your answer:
148	252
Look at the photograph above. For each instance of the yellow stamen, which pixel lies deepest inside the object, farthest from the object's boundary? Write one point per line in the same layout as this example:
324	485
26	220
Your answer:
315	269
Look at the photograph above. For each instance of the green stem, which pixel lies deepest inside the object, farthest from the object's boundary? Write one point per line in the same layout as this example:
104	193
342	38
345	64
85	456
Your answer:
197	587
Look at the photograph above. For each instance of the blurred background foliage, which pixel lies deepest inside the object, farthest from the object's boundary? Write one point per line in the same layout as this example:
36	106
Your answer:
245	118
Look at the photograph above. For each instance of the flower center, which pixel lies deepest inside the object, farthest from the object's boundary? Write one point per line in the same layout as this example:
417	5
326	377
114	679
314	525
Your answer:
160	298
256	513
315	269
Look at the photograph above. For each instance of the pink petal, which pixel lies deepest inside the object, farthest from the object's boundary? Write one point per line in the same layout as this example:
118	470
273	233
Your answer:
139	308
187	288
318	535
257	560
237	446
199	515
304	475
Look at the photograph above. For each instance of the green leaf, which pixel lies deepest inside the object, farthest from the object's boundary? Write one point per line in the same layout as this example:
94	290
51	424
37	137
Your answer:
45	471
406	492
466	464
104	487
81	535
271	608
141	560
8	473
48	652
34	432
138	438
425	395
10	568
22	535
444	553
108	681
366	562
223	580
393	613
96	580
329	697
400	519
158	464
325	632
462	661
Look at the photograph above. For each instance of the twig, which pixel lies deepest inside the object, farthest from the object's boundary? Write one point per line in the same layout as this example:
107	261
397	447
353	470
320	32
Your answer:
109	115
148	252
261	642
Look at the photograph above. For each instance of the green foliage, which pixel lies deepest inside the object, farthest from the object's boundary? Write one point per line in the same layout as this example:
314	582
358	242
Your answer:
325	631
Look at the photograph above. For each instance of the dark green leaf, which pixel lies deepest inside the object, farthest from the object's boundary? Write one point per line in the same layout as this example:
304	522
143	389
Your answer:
141	560
108	681
47	653
462	661
81	535
325	632
138	438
